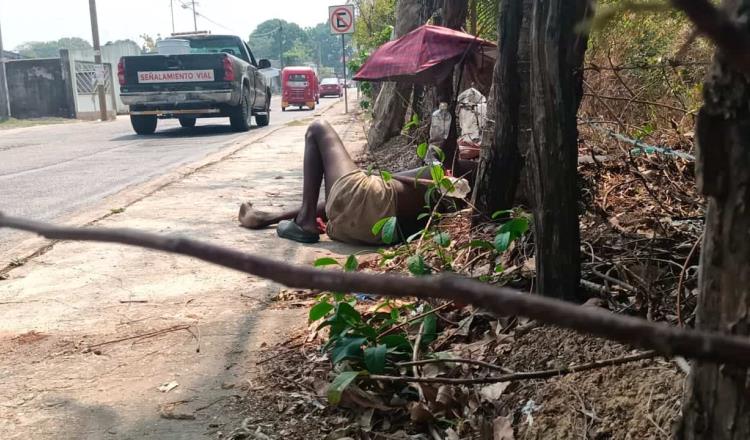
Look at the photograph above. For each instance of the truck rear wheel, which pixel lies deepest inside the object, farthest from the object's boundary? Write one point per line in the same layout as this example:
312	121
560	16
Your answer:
187	122
143	124
240	120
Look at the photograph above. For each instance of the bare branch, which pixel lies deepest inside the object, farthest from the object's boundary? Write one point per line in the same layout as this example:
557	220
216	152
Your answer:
512	377
733	41
663	339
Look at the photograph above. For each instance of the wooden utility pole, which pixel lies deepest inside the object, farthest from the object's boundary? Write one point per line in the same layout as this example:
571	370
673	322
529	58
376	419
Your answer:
195	18
4	98
98	60
171	10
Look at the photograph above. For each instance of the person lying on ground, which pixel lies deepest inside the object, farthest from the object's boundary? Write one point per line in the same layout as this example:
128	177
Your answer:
355	200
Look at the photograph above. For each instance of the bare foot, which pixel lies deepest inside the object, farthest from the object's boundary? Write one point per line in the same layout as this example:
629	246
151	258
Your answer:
254	219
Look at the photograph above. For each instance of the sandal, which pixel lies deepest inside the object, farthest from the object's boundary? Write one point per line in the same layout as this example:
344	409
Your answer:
292	231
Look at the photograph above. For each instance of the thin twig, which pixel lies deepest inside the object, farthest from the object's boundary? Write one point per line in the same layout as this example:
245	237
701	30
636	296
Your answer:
544	374
639	101
682	279
141	336
457	361
666	340
415	318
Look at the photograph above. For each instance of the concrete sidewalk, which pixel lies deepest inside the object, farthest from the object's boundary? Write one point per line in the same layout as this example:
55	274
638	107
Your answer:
73	364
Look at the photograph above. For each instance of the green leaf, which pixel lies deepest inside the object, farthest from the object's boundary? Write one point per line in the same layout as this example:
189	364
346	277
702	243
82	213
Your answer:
389	230
339	384
377	227
347	348
447	184
369	170
502	241
387	177
482	244
443	239
428	195
320	310
430	329
326	261
375	358
499	268
346	312
351	264
503	213
422	150
423	215
396	341
414	122
414	236
439	152
417	265
517	227
437	172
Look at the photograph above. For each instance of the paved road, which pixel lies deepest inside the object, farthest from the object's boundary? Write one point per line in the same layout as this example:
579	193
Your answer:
50	172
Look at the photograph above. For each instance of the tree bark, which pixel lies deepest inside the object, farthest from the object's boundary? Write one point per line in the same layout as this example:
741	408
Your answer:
393	100
717	400
502	161
557	52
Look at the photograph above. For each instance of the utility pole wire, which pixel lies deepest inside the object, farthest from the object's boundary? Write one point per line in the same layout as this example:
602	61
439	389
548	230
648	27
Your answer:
663	339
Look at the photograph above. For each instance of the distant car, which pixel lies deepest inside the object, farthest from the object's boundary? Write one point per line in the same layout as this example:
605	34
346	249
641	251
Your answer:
330	87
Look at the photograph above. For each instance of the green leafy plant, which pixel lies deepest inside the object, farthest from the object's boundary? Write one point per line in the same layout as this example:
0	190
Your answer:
357	344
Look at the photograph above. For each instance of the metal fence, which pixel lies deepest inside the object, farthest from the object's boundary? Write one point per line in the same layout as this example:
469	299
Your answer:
86	78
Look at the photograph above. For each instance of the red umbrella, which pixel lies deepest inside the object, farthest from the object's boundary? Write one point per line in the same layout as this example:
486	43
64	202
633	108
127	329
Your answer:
427	55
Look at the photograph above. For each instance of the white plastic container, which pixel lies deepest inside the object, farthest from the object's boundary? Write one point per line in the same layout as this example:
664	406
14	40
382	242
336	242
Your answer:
440	126
173	46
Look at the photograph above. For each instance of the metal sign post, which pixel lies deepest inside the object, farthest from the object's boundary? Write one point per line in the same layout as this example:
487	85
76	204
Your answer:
341	19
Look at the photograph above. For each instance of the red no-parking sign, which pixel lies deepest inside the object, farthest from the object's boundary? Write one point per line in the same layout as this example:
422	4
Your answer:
341	19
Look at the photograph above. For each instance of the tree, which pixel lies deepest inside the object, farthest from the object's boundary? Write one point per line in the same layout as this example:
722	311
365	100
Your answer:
375	22
557	52
274	37
325	47
51	49
717	400
149	44
394	98
501	162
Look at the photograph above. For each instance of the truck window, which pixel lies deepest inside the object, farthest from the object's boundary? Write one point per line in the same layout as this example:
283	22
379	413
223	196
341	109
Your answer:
297	77
228	45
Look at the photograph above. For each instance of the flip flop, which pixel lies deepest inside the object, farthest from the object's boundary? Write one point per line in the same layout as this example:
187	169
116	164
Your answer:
292	231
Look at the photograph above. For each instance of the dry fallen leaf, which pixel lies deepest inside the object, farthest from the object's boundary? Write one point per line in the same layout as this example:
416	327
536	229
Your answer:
420	413
502	429
491	393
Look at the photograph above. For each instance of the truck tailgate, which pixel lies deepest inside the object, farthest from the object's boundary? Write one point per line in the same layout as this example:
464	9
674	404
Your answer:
161	73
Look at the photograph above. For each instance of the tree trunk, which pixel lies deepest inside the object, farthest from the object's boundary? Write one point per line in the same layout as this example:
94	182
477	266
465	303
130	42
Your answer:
501	162
453	16
557	52
394	99
717	400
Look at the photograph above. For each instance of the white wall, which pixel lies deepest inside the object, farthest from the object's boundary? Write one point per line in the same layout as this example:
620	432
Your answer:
111	53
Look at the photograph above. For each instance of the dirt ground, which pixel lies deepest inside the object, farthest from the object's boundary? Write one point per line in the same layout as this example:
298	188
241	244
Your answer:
107	341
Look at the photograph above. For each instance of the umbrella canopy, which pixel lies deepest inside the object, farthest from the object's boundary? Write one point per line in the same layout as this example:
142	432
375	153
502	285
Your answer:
427	55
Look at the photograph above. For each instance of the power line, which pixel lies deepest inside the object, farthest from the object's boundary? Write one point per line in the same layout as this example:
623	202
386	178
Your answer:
185	5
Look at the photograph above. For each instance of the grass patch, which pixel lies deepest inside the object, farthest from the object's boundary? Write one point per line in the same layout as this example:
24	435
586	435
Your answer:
21	123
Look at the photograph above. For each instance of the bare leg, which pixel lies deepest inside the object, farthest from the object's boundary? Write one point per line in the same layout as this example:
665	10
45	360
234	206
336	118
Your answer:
326	159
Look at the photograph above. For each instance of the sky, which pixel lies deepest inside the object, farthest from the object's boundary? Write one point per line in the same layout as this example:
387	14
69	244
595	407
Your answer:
44	20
